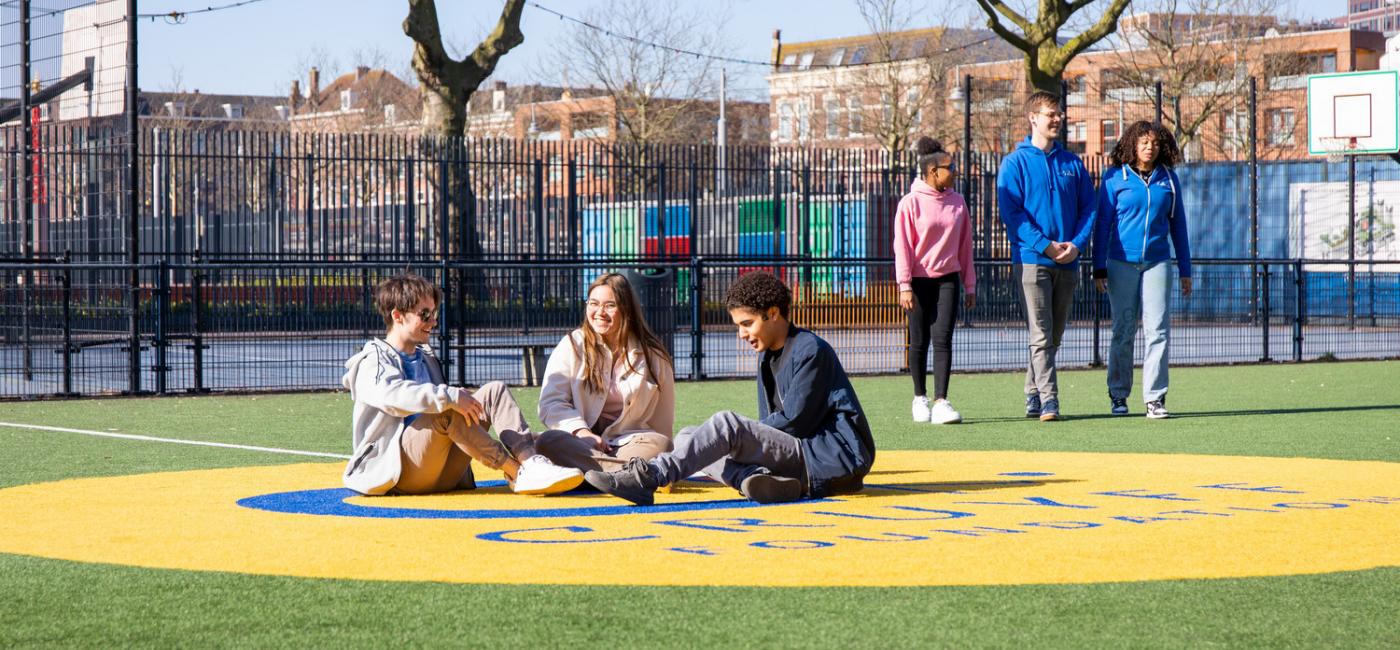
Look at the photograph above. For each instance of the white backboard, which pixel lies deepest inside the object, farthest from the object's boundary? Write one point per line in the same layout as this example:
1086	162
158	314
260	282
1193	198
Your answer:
1360	106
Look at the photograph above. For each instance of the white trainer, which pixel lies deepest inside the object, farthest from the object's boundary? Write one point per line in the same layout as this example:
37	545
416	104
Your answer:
920	408
943	412
537	475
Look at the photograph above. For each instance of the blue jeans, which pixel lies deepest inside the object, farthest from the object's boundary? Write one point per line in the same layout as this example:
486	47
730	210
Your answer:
1133	290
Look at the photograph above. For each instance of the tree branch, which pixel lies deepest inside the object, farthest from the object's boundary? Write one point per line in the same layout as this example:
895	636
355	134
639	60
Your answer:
503	38
993	23
1106	25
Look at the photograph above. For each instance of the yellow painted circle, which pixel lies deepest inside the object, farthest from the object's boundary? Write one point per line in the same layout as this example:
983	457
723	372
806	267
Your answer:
926	518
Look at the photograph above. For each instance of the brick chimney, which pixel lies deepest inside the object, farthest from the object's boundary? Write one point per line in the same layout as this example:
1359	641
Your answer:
361	71
313	89
296	93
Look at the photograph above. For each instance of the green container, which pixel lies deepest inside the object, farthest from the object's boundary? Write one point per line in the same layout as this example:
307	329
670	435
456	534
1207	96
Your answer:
756	215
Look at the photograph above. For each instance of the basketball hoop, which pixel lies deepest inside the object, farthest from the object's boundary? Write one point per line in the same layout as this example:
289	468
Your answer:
1337	149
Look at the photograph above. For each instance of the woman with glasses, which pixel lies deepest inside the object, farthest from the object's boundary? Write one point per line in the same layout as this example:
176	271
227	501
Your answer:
932	258
1140	221
609	387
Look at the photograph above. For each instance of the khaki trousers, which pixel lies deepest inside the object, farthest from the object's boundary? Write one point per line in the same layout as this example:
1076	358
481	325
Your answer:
436	450
567	450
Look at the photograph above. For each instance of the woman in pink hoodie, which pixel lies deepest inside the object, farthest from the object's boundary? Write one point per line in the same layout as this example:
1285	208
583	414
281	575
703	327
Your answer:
932	257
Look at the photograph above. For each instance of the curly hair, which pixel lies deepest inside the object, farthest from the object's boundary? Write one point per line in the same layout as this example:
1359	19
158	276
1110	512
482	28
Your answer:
757	291
1125	152
930	152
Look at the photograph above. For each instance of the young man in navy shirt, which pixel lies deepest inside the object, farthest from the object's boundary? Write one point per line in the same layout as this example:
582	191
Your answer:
811	439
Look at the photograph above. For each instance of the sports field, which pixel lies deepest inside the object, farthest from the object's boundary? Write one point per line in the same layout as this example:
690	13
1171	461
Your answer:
1336	412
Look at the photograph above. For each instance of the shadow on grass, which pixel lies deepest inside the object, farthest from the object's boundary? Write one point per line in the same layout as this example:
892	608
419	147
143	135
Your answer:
1188	414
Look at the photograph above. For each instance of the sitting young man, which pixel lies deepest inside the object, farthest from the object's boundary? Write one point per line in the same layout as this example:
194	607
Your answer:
412	433
812	438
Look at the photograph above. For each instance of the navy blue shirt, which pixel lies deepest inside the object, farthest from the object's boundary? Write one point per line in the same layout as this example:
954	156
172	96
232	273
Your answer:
415	369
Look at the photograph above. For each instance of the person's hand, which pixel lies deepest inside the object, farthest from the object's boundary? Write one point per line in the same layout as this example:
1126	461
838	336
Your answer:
1052	251
1186	287
1068	253
969	300
469	408
1101	285
906	300
594	440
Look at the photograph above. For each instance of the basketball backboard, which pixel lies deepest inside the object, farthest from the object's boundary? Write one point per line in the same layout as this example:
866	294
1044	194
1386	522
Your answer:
1354	113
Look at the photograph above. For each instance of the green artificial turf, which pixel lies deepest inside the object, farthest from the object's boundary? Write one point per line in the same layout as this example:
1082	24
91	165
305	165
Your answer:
1344	411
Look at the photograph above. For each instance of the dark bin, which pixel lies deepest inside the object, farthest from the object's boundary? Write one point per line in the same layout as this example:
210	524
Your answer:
656	291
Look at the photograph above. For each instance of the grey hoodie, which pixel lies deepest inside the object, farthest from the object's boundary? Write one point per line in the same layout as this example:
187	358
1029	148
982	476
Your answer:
383	398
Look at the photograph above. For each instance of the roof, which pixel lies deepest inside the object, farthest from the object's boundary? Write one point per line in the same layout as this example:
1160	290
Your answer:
979	44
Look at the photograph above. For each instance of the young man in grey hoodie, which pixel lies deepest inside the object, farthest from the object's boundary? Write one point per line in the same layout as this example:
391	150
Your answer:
414	434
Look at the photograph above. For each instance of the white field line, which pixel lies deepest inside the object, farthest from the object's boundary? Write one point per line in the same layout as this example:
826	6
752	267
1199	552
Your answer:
201	443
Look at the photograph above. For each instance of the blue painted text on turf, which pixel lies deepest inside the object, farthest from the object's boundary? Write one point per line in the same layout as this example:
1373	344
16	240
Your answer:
510	536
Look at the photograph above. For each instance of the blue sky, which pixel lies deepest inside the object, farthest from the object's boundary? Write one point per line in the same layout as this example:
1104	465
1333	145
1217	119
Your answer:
257	48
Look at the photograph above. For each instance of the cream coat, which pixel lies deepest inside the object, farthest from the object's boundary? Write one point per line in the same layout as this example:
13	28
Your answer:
567	405
383	398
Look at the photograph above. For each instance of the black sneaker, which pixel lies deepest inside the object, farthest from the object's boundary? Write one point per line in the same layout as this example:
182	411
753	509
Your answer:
1157	409
1033	406
1120	405
636	482
766	488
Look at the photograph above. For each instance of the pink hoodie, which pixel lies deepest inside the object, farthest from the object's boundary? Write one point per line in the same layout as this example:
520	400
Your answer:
932	236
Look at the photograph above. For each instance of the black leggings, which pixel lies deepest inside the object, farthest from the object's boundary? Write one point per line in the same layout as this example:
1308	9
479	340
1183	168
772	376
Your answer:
936	308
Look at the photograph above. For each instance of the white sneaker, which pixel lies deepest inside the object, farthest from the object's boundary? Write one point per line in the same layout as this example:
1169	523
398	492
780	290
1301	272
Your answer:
943	412
920	408
538	475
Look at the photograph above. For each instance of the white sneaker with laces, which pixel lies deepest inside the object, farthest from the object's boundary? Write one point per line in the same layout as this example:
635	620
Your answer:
921	411
537	475
943	412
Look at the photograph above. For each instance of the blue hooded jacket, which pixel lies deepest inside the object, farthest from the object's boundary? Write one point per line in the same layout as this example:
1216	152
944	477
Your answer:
1044	198
1136	218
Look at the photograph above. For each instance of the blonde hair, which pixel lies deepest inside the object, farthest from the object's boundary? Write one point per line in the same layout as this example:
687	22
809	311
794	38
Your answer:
631	329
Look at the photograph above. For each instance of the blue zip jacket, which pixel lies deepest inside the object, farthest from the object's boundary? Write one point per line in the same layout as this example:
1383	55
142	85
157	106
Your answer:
820	409
1044	198
1136	219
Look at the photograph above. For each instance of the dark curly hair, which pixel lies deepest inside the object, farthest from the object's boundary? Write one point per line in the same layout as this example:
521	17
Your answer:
1125	152
759	290
928	150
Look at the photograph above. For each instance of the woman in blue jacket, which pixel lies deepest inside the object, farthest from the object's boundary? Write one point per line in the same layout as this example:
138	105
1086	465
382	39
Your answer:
1140	221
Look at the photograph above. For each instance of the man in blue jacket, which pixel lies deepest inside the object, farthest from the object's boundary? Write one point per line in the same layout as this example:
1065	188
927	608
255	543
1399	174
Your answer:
1047	204
811	439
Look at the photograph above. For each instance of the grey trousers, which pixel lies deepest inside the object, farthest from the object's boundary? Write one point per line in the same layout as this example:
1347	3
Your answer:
1048	293
729	448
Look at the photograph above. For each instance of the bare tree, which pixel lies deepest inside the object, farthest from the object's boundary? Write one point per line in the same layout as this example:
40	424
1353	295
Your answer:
658	95
1046	56
1204	52
447	85
903	98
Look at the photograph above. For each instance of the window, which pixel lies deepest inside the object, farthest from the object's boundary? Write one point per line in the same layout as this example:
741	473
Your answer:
856	114
556	168
806	61
789	61
233	111
912	107
391	114
804	119
835	58
1109	132
175	109
833	117
784	121
1077	131
498	101
1282	123
347	100
857	57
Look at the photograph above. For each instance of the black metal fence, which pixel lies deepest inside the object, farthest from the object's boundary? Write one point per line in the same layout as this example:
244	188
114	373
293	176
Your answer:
290	326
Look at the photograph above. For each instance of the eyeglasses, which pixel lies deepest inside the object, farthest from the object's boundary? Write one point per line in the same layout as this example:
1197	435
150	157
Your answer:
607	307
1054	115
426	315
951	167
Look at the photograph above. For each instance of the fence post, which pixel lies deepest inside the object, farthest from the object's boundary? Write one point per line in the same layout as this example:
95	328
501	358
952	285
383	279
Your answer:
805	228
410	224
1157	119
571	207
697	314
309	243
158	342
444	326
777	214
967	181
537	203
197	314
1098	323
1254	193
1264	320
1351	242
1299	308
660	211
67	279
